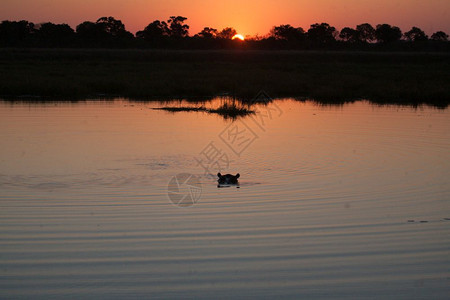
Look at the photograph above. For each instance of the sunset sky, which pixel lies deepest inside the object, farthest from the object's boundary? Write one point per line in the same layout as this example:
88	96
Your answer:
248	17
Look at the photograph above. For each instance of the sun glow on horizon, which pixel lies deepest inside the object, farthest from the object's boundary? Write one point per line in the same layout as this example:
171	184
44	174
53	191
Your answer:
238	36
254	17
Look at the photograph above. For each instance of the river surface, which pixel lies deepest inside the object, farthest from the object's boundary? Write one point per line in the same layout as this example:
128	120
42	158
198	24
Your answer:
113	200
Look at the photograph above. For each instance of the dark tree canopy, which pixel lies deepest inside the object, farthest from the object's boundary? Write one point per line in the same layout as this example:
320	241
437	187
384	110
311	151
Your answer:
439	36
322	33
109	32
50	34
288	33
90	31
111	26
227	33
106	32
177	27
349	35
14	33
416	35
208	33
154	31
386	33
366	32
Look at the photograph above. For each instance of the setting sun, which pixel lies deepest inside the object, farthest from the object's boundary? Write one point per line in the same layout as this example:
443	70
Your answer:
238	36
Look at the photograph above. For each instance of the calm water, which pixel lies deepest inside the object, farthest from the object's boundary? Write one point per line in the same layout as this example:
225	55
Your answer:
334	202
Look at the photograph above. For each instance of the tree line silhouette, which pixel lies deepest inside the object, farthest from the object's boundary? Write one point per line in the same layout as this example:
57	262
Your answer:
108	32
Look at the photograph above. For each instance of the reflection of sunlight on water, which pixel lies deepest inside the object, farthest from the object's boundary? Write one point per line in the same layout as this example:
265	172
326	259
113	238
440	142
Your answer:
326	193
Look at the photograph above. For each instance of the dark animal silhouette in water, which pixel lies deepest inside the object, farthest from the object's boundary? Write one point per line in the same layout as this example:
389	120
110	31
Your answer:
228	178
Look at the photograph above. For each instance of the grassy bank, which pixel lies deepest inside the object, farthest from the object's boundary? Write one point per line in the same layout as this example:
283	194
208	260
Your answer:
227	111
324	76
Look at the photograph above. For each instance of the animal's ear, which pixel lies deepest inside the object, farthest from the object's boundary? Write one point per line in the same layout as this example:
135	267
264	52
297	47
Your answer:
218	174
237	175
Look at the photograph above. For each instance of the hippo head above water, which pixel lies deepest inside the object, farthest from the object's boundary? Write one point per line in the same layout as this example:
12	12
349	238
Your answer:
228	178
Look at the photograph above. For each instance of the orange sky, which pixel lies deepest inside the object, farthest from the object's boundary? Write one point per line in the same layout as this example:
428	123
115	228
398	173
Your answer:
249	17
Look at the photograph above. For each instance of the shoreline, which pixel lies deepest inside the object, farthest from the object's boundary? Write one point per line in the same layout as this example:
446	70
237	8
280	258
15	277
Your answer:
324	76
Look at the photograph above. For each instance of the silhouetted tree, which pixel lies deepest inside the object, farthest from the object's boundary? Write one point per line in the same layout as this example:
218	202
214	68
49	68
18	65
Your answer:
154	32
287	32
386	33
416	35
111	26
177	27
106	32
366	33
321	33
439	36
54	35
227	33
349	35
15	33
115	30
90	32
207	33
